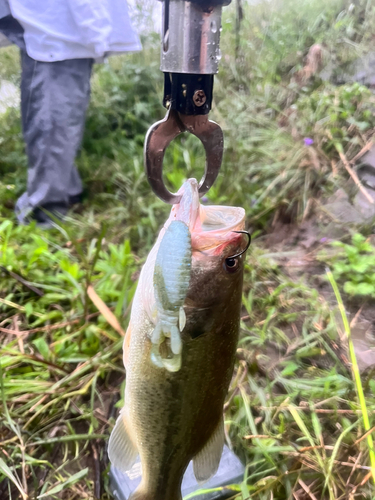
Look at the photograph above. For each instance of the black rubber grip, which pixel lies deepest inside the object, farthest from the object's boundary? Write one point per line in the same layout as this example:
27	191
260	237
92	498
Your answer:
188	94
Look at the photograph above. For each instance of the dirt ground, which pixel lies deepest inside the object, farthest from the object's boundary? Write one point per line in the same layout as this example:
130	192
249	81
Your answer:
295	248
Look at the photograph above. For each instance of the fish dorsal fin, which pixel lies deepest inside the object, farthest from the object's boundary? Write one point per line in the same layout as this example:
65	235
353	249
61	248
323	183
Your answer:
206	462
122	451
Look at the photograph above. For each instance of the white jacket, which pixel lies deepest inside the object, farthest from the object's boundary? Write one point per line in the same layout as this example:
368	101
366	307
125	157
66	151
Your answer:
56	30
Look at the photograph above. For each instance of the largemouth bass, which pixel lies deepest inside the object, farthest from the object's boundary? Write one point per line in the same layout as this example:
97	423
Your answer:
172	417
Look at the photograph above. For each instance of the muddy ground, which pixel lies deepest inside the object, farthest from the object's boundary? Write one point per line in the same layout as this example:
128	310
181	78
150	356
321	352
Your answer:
295	248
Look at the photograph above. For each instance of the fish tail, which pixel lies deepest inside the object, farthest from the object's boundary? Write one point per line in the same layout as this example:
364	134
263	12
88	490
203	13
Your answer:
142	494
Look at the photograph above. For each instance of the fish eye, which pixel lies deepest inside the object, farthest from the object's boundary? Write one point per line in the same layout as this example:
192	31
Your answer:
231	264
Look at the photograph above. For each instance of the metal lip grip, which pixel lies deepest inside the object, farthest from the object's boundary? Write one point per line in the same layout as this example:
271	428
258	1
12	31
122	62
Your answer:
189	58
163	132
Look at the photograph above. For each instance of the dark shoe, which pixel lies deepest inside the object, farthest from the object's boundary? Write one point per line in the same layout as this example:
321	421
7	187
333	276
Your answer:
74	200
42	215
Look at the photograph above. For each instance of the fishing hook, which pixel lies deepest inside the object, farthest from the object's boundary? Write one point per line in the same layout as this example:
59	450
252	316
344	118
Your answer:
247	246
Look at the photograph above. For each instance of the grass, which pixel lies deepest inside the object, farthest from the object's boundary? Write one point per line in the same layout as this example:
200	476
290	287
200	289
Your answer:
295	415
356	374
53	375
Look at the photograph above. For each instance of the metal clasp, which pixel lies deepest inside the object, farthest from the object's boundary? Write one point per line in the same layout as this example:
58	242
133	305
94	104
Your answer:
160	135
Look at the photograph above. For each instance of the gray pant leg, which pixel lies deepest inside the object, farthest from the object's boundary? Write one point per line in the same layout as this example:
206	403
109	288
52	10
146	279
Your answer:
54	100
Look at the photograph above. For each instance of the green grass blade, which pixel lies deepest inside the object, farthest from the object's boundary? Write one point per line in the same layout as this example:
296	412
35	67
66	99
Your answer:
4	469
205	491
356	372
71	480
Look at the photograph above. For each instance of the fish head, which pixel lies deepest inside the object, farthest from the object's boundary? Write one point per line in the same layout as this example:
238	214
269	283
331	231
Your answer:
217	272
216	277
217	269
217	260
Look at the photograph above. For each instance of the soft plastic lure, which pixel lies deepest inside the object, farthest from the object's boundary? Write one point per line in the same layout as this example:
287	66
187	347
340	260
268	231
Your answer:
171	282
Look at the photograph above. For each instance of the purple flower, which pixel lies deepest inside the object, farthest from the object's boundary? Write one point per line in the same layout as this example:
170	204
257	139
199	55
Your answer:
308	141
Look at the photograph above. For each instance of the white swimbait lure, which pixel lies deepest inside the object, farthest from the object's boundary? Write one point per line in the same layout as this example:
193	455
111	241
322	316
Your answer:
171	282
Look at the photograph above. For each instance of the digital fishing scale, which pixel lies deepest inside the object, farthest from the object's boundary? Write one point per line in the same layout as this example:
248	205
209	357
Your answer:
230	472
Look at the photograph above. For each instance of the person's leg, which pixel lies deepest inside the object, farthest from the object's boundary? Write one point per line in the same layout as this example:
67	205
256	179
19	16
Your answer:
54	99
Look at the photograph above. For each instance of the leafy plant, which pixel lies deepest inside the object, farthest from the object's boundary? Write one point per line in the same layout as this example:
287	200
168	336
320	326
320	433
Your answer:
354	266
335	115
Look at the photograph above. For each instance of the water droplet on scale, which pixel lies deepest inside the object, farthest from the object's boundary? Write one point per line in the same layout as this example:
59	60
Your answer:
166	41
218	54
213	26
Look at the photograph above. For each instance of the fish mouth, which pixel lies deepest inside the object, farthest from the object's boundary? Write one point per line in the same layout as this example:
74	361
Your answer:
188	209
210	226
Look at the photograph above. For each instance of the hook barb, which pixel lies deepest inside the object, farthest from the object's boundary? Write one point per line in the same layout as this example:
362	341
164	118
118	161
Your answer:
247	246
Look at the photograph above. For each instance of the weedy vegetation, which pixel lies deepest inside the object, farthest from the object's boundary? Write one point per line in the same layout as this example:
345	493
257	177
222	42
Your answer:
299	413
354	265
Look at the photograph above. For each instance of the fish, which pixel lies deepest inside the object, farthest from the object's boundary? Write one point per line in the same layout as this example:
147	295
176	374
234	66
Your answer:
171	417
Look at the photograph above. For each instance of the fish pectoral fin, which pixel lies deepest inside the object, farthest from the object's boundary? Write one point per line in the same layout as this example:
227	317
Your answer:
206	462
122	451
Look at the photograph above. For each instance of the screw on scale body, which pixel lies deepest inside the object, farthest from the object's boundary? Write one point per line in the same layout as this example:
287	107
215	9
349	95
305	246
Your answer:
189	59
